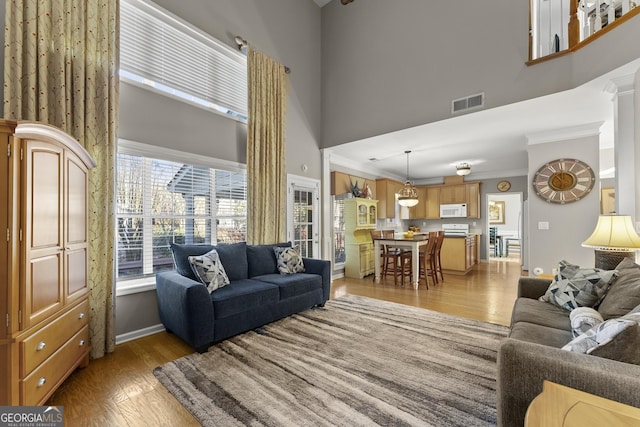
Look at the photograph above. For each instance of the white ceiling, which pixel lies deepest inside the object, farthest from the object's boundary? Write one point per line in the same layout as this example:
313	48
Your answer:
321	2
493	142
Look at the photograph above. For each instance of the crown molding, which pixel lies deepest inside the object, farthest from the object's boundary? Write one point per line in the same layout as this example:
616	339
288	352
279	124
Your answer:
563	134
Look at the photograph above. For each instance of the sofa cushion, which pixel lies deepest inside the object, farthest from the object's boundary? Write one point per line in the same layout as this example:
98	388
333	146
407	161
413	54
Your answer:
209	270
289	260
541	313
575	287
292	285
243	295
233	256
538	334
262	259
624	293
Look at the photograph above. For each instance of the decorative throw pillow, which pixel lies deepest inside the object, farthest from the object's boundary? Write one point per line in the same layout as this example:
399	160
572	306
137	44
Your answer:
583	319
624	293
289	260
209	270
616	339
574	287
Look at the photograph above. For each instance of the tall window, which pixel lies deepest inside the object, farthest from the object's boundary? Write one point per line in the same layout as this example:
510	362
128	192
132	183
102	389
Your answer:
160	202
161	52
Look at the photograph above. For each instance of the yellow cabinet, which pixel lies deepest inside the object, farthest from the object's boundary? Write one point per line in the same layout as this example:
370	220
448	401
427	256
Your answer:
360	217
360	213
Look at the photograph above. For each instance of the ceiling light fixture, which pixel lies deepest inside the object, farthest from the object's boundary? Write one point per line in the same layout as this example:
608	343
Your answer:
346	2
463	169
408	196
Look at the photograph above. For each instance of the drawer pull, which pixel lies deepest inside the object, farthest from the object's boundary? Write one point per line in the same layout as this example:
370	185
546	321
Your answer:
81	316
41	345
41	381
81	343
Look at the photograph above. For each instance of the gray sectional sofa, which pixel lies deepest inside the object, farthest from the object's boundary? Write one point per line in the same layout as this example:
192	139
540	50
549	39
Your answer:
533	351
256	295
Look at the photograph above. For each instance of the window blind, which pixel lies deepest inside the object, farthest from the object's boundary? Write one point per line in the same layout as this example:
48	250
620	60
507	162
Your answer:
160	50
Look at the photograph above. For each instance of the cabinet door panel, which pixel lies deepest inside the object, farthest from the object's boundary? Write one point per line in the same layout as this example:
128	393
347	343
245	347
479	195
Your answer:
43	287
76	212
44	198
76	274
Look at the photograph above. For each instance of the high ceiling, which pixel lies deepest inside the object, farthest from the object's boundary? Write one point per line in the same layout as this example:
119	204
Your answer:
493	142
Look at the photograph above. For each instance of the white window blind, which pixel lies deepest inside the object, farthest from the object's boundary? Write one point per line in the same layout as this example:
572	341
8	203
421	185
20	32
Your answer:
161	51
160	202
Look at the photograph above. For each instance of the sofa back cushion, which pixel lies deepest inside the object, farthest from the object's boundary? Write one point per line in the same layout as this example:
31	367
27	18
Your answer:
262	259
233	257
624	293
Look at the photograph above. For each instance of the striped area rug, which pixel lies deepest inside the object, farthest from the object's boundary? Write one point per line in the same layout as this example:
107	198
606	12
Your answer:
356	362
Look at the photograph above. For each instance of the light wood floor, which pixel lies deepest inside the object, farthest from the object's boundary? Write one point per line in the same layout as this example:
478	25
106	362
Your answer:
120	389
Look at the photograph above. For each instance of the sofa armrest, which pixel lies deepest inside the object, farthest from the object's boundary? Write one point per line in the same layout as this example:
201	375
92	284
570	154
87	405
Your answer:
523	366
185	308
532	287
323	268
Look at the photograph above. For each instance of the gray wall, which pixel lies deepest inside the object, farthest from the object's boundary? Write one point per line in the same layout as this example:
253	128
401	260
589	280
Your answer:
389	65
570	224
287	30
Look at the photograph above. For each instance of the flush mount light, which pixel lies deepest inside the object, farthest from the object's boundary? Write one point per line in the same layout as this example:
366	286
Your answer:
463	169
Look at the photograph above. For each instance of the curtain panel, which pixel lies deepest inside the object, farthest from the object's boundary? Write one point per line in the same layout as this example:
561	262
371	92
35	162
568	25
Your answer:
266	173
61	68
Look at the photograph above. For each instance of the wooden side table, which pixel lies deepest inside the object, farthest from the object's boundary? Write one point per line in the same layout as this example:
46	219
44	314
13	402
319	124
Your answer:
559	405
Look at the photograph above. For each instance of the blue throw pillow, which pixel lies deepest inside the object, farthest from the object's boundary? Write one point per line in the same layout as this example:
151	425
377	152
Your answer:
233	256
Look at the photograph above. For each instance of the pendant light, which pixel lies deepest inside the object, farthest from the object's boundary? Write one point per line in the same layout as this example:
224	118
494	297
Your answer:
408	196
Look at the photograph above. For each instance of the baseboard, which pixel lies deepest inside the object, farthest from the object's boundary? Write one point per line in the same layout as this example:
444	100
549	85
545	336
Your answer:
134	335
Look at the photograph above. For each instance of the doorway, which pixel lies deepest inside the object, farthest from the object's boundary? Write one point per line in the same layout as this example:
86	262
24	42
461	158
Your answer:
303	219
505	225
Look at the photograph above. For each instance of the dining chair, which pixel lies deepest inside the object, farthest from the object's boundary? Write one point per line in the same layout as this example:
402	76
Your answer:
393	260
437	259
427	263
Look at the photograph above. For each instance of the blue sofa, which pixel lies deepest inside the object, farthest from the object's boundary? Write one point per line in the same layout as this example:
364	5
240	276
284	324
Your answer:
258	293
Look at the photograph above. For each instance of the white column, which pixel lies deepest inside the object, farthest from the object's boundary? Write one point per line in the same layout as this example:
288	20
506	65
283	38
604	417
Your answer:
626	147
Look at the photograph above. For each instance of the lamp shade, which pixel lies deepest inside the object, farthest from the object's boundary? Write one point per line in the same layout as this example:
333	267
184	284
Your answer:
463	169
408	196
613	233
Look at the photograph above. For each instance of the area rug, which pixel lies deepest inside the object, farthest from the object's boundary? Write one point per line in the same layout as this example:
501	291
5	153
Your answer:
357	361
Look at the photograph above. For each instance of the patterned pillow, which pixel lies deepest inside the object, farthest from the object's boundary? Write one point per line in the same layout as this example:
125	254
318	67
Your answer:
209	270
625	330
574	287
289	260
583	319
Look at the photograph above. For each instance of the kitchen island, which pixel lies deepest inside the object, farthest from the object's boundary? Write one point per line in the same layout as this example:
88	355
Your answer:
460	253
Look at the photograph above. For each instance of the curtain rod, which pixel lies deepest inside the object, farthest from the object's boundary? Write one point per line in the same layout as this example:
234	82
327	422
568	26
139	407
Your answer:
243	44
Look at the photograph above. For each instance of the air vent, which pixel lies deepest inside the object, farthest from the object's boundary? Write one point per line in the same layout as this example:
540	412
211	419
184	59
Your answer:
467	103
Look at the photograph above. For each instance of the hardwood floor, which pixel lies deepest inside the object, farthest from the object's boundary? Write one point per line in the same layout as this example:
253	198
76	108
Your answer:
120	389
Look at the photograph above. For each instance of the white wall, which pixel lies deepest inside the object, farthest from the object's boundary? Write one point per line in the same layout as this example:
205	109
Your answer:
512	213
570	224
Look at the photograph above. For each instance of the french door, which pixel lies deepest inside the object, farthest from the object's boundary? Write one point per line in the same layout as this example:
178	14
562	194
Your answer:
303	228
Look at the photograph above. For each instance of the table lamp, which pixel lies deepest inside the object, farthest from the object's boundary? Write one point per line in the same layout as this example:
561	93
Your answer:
614	239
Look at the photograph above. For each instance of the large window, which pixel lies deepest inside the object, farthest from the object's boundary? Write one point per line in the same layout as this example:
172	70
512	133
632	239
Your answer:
160	202
161	52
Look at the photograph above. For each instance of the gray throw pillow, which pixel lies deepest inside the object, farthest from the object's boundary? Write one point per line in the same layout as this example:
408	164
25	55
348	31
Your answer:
624	293
209	270
574	287
289	260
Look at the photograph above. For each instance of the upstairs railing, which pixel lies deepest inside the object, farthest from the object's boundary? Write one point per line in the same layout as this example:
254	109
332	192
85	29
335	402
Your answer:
561	27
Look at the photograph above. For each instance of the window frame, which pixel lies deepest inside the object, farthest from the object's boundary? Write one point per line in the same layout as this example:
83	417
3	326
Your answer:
126	286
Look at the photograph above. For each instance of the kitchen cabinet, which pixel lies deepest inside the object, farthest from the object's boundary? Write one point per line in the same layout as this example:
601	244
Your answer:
432	208
473	199
360	213
419	211
459	254
453	194
387	190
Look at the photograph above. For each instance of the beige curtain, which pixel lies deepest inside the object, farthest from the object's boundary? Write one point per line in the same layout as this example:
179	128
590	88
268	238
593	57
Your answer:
266	178
61	62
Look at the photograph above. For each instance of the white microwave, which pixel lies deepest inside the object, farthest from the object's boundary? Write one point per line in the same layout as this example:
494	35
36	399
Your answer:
455	210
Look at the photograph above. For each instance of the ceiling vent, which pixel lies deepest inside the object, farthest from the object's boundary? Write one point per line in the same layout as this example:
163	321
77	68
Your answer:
467	103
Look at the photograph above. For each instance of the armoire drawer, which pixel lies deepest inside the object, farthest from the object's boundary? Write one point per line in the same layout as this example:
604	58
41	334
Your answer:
36	387
39	346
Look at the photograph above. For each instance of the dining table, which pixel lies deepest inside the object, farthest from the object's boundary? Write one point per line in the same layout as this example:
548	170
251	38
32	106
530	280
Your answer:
410	243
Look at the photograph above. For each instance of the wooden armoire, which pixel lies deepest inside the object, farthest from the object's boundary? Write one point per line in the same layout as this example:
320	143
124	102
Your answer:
44	335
